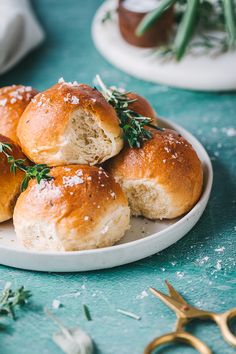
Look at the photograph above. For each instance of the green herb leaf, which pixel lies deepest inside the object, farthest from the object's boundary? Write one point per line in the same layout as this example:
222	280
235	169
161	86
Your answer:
87	313
132	123
10	299
185	29
229	13
38	172
153	16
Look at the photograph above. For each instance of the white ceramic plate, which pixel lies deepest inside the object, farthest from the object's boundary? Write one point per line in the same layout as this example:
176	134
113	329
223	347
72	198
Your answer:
197	73
144	239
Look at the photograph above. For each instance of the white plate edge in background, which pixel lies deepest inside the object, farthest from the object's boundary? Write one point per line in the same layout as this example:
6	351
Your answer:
195	73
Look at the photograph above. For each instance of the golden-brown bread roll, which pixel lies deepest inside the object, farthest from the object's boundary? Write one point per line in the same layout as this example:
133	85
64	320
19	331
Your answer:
163	179
70	123
81	208
142	106
9	183
13	101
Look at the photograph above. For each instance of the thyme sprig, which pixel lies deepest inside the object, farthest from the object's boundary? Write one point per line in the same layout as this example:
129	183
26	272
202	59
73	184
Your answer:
132	123
10	299
38	172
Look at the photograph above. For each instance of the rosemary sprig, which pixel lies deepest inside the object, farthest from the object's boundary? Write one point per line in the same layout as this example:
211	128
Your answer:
132	123
38	172
230	22
186	28
153	16
10	299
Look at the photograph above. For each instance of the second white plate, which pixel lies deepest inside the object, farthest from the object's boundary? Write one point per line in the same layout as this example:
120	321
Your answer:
144	239
193	72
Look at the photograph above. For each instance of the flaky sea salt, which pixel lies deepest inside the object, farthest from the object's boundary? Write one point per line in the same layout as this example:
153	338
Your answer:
74	100
61	80
72	181
219	265
180	274
113	195
229	131
71	99
142	295
79	173
104	230
220	249
13	100
3	102
56	304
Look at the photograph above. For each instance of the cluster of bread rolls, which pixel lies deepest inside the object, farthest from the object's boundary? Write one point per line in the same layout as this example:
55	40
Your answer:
73	129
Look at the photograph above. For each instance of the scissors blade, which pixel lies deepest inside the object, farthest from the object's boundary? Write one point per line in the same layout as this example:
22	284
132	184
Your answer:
174	294
169	301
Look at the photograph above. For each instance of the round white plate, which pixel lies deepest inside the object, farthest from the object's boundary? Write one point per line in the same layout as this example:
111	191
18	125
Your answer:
197	73
144	239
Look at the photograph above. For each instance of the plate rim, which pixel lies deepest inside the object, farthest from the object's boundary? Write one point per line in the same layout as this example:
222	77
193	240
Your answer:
204	197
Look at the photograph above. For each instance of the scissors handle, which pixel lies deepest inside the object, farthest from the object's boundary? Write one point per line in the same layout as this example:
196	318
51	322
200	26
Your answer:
178	337
223	322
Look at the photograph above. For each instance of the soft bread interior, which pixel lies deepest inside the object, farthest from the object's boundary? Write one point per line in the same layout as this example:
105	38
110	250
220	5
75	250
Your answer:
146	198
46	235
85	141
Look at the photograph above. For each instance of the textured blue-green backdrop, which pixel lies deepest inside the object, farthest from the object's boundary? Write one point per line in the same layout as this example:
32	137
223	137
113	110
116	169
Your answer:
201	266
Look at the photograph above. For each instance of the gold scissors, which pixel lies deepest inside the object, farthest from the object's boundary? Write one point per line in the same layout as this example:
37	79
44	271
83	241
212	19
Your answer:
186	313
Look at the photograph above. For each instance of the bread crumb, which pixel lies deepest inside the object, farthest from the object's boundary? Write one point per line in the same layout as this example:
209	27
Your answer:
86	218
220	249
229	131
56	304
142	295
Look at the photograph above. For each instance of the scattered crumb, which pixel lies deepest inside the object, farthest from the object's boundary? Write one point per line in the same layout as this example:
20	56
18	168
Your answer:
220	249
129	314
229	131
142	295
56	304
219	265
180	274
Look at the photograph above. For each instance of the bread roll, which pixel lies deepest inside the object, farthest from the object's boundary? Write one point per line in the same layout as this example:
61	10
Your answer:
9	183
70	123
81	208
13	101
163	179
142	106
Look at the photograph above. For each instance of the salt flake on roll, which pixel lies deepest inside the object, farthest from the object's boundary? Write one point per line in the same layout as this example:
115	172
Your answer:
70	123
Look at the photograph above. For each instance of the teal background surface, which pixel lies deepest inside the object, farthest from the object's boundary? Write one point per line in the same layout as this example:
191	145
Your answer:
201	266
